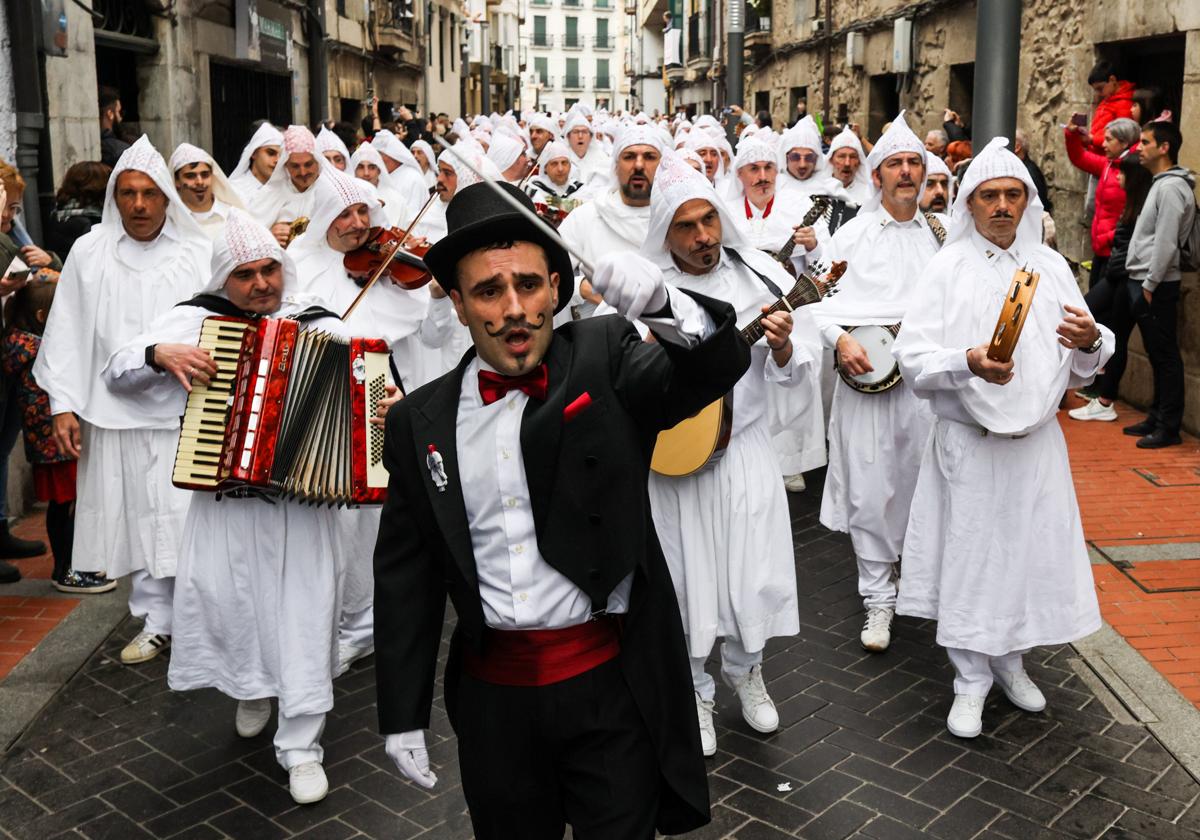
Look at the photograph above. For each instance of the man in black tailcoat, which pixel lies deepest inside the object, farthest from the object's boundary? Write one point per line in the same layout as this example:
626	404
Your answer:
518	488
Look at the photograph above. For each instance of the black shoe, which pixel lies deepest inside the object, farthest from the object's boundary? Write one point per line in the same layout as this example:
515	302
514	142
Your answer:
1158	439
85	583
9	573
1146	427
15	548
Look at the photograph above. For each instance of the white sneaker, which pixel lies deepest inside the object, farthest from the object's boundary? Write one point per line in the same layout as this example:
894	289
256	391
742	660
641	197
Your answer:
708	732
1094	410
144	647
1020	690
252	717
794	483
966	716
877	629
307	783
348	655
758	709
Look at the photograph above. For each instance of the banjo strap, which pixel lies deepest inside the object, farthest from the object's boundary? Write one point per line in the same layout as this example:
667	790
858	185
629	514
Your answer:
770	284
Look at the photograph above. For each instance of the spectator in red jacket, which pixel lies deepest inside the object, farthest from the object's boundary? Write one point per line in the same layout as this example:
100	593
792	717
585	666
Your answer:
1114	99
1120	136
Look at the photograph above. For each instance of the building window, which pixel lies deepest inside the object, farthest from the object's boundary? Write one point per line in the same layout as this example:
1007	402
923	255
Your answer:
602	39
571	81
602	80
572	37
542	66
540	38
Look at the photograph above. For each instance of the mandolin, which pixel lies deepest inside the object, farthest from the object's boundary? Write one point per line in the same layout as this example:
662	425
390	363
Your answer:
700	440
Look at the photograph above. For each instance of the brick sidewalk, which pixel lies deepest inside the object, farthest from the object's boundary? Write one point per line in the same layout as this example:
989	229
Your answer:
1144	503
862	751
25	621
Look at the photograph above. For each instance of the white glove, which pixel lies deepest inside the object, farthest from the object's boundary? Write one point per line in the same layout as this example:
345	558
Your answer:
412	759
630	284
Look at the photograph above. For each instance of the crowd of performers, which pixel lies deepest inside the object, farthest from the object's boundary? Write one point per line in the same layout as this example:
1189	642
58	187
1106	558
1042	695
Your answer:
530	383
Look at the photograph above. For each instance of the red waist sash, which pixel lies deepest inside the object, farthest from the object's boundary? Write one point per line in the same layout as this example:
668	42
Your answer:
544	657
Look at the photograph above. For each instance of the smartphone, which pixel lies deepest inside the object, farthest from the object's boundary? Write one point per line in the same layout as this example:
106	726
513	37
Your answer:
17	270
1079	119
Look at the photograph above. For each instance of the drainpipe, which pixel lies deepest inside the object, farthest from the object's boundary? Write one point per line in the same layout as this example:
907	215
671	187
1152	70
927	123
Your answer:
735	59
997	58
318	63
24	16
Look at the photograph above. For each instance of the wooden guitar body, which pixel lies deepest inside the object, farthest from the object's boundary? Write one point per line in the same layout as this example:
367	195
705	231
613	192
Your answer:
692	444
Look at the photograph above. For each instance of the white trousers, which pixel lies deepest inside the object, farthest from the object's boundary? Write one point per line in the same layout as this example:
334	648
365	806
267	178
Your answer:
736	662
150	598
357	629
973	670
877	584
298	739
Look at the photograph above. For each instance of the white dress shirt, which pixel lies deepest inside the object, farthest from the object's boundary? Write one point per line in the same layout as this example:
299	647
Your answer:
519	589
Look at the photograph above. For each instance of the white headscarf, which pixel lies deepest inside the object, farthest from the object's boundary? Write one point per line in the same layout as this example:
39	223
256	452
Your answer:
242	241
552	151
476	157
265	135
427	150
505	150
847	139
636	135
754	151
688	154
675	182
936	166
804	135
186	154
389	144
996	161
704	140
327	141
898	139
333	192
143	157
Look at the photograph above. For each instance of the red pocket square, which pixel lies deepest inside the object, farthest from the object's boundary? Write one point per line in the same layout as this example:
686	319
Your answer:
578	405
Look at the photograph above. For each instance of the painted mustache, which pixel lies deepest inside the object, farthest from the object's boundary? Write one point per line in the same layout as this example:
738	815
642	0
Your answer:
515	325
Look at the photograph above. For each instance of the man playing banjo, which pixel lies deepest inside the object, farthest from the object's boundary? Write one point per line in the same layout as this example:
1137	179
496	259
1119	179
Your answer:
877	428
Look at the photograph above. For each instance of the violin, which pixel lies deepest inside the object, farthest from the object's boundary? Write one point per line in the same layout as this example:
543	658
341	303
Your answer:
385	251
385	247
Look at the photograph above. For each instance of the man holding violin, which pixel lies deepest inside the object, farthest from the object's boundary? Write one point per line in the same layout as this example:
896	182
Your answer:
335	257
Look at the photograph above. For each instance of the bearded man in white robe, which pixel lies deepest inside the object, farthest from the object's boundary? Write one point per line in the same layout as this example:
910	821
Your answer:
995	550
617	219
259	580
876	439
344	211
727	537
145	255
257	162
287	196
405	171
847	166
202	186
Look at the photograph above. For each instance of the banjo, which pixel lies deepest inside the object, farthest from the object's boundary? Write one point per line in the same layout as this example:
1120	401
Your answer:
694	443
877	341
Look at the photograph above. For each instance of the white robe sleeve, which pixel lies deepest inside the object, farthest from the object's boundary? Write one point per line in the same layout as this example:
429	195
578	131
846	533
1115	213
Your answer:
59	369
687	324
436	327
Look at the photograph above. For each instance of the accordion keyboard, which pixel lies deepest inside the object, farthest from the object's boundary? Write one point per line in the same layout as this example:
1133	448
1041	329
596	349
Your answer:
198	459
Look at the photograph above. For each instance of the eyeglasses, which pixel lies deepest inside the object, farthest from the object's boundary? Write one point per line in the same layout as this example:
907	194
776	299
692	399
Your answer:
796	157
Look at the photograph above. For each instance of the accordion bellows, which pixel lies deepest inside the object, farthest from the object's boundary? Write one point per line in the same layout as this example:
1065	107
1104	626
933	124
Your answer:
287	415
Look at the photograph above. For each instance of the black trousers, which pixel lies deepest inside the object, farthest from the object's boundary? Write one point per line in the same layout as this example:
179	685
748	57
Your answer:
60	529
1114	296
1159	323
535	759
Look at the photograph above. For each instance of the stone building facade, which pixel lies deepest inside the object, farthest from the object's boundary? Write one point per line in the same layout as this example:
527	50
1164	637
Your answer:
1151	41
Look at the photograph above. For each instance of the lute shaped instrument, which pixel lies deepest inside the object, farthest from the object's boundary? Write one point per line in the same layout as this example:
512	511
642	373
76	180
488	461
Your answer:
700	440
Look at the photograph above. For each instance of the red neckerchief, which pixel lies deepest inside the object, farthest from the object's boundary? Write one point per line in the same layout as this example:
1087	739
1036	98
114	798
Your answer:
750	213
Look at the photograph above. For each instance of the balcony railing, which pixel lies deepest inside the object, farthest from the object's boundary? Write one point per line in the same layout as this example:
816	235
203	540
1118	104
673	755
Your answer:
602	5
572	42
395	14
604	42
543	39
603	83
572	83
540	3
573	4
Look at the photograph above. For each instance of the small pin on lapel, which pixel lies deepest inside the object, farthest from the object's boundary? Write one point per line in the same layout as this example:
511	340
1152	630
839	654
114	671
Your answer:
437	468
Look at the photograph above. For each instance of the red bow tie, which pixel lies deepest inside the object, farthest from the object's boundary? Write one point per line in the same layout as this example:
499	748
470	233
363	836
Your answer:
493	386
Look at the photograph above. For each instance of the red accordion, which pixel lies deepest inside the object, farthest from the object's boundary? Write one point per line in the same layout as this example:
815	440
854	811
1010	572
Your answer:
287	414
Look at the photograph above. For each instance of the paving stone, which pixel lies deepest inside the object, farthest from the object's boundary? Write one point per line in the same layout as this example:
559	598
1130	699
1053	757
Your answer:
1031	807
839	822
1154	804
886	828
965	818
247	824
894	805
768	809
887	777
824	791
114	826
755	830
138	801
946	788
1089	817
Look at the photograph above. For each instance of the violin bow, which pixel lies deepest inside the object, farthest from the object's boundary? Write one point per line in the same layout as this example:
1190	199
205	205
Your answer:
388	259
584	265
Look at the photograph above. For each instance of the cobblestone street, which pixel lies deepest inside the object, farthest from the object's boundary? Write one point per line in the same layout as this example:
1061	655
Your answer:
862	750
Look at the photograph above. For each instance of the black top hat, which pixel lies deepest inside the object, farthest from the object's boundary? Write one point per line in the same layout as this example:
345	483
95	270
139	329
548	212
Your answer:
477	217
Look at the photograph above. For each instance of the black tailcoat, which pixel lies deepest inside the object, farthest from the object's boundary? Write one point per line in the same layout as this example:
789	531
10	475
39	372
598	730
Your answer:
587	483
